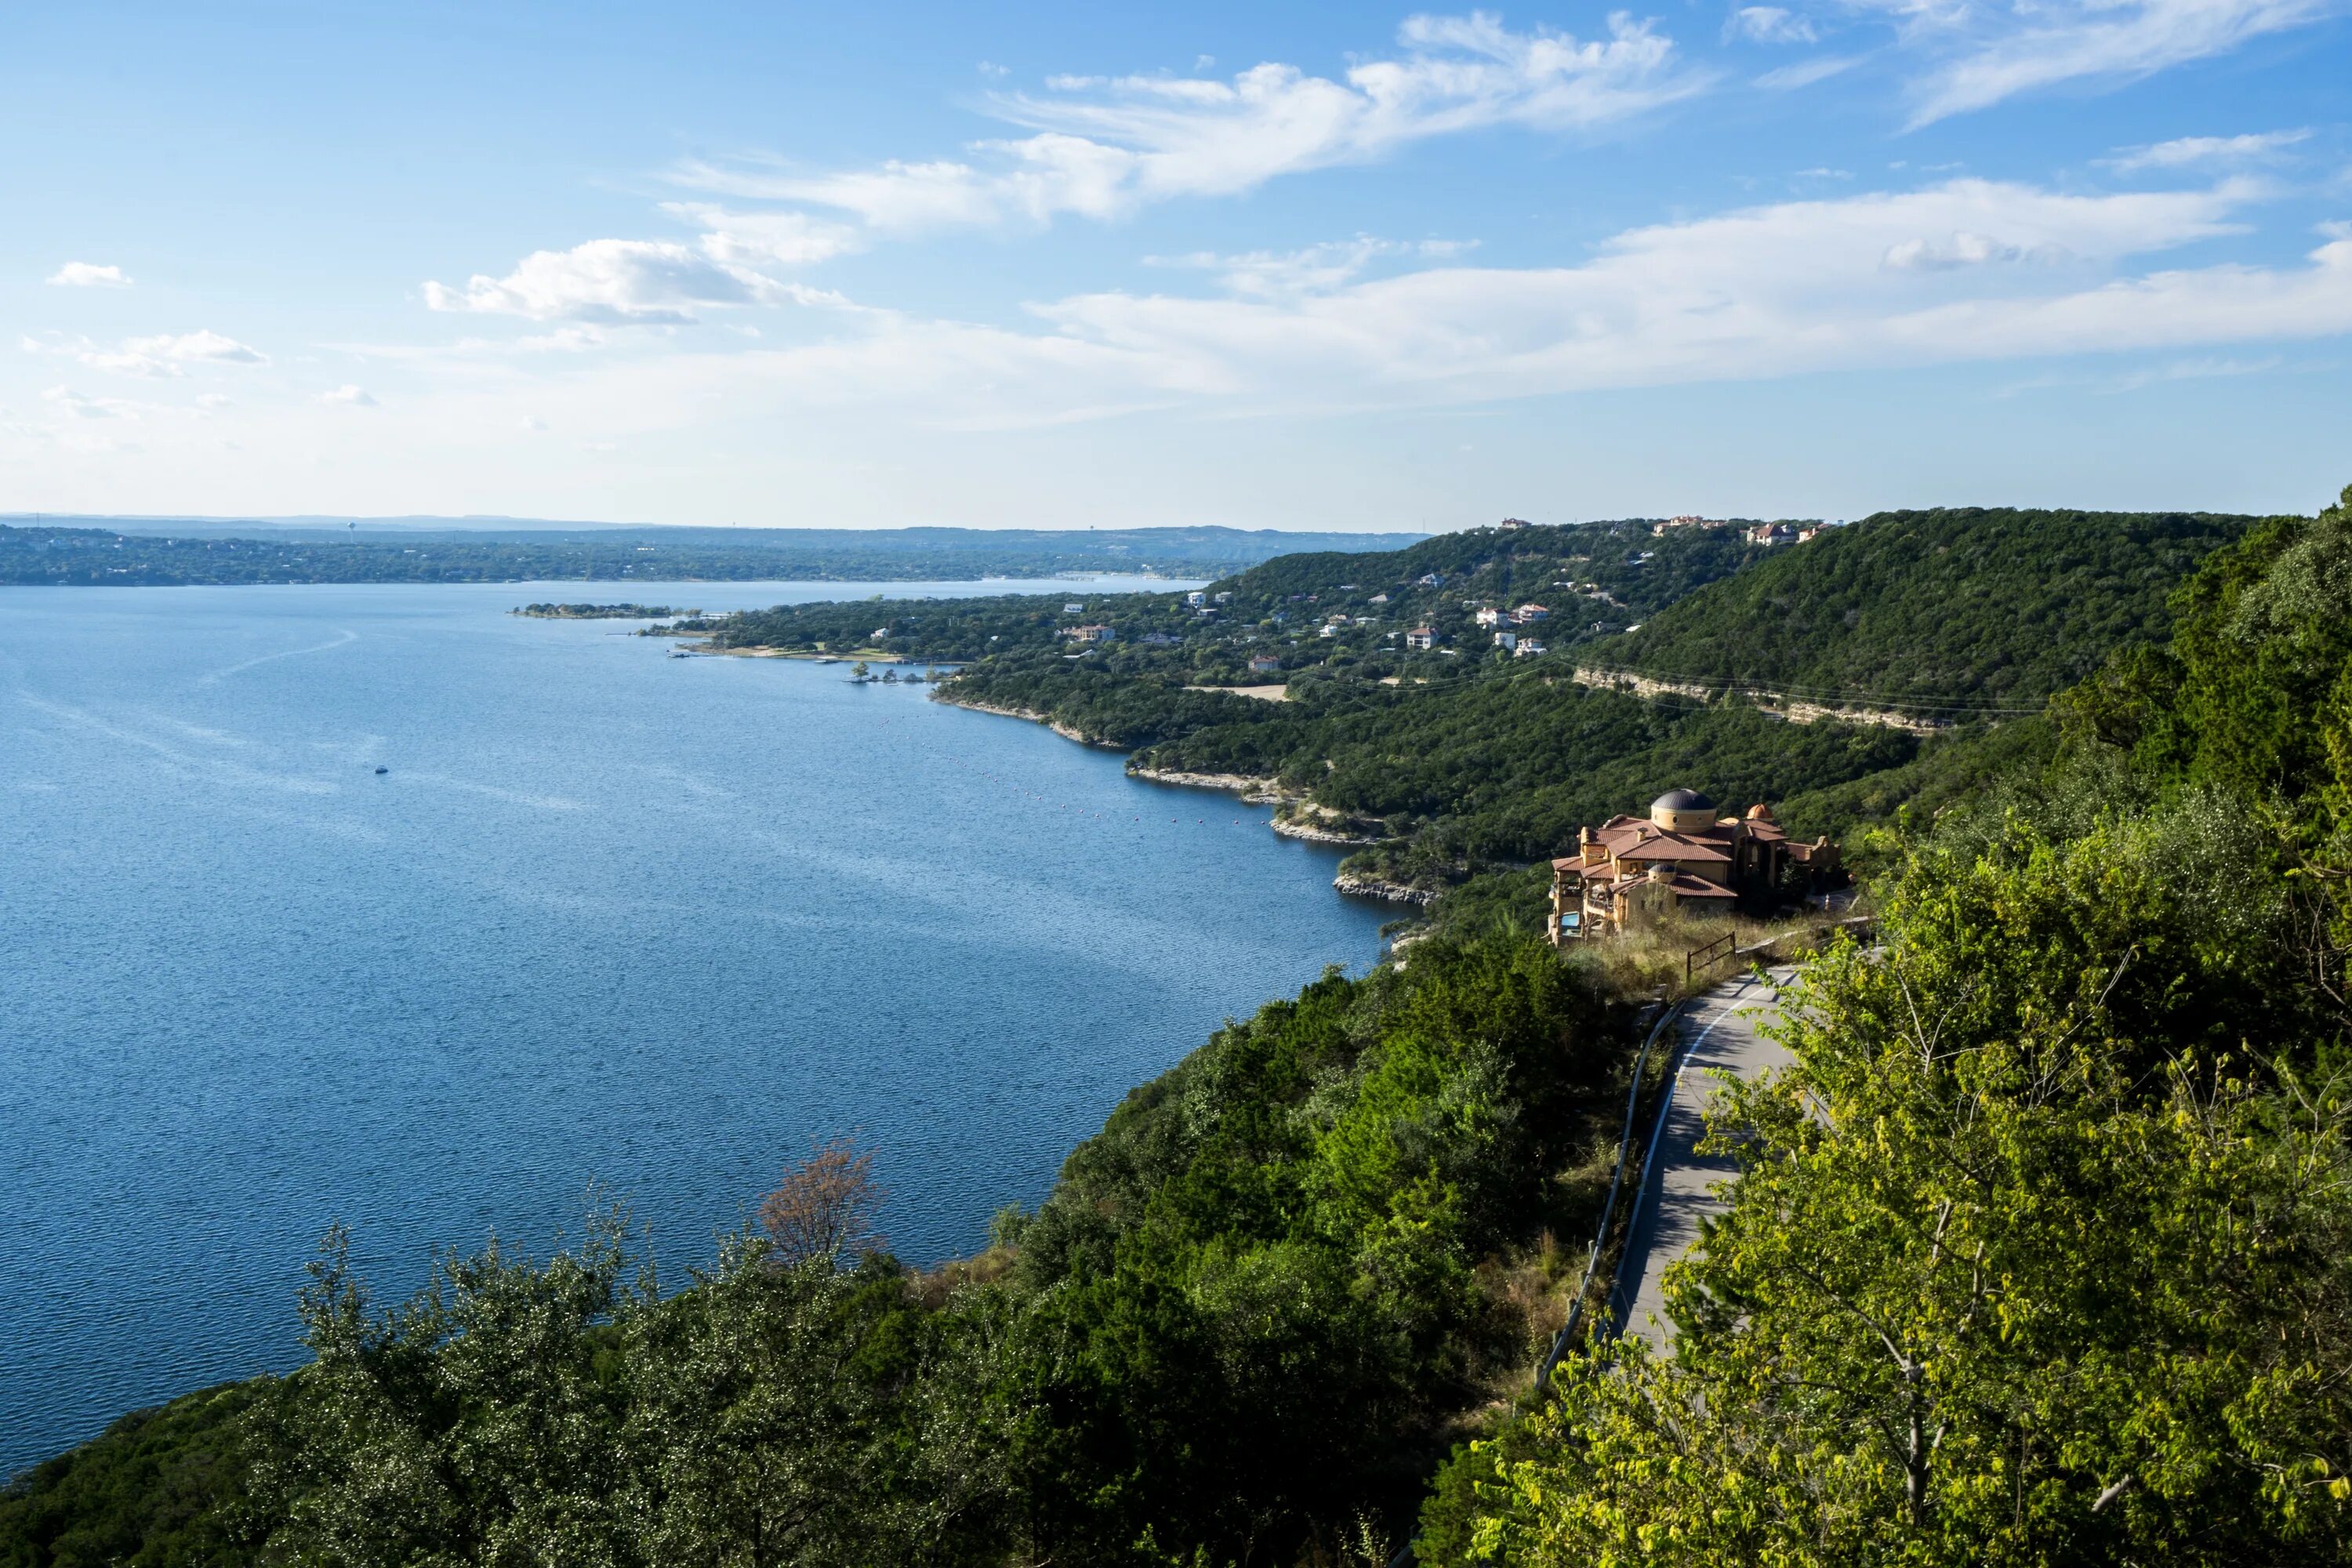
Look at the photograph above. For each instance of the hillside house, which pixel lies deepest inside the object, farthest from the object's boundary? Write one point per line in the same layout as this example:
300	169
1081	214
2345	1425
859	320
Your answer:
1528	614
1683	859
1509	641
1264	663
1770	534
1528	648
1420	637
1489	617
1094	634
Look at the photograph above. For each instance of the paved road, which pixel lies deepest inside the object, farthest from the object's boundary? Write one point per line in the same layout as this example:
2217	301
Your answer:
1719	1036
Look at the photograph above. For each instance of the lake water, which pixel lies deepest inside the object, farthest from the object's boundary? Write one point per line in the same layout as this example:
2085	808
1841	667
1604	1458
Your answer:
611	918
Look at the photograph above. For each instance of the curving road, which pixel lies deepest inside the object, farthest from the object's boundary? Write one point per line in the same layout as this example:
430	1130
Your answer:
1719	1036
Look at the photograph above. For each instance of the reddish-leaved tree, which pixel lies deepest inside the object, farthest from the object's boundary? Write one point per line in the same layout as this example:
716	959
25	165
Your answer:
824	1206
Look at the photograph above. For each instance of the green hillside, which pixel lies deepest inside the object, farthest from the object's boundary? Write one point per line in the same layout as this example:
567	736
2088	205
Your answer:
2039	1250
1954	608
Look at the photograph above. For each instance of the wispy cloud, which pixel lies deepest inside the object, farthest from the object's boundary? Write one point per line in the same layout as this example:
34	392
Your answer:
88	275
1804	73
2187	151
163	355
348	396
1768	25
612	282
1103	146
1963	270
1316	268
1990	53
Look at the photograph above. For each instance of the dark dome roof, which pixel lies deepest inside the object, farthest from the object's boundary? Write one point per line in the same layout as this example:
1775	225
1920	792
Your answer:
1682	800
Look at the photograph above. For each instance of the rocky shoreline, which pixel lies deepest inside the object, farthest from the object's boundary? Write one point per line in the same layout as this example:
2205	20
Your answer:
1253	790
1065	731
1374	888
1316	833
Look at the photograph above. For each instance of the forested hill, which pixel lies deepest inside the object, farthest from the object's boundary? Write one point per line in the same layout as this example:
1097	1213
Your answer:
1595	577
1968	607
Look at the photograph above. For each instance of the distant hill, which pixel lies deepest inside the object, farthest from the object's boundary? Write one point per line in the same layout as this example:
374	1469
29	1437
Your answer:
150	550
1969	607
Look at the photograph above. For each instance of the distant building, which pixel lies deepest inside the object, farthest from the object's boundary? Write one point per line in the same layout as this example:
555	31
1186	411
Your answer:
1528	614
1528	648
1510	524
1660	530
1329	629
1682	859
1224	598
1380	598
1264	663
1507	640
1489	617
1771	533
1196	599
1074	608
1093	633
1431	580
1420	637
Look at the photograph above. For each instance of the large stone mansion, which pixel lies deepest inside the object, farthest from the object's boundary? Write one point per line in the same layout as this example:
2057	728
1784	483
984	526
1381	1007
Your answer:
1683	858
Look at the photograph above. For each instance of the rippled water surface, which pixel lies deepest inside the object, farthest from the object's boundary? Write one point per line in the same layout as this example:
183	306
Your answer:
610	918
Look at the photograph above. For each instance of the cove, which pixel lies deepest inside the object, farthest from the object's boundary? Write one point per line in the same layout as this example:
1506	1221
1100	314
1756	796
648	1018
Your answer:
609	919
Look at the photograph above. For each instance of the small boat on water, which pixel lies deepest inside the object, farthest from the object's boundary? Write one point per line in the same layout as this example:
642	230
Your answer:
384	770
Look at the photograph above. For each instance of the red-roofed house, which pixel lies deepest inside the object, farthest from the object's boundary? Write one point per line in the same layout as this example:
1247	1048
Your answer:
1683	858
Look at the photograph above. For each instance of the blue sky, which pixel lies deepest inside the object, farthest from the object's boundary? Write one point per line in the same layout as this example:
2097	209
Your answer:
1053	265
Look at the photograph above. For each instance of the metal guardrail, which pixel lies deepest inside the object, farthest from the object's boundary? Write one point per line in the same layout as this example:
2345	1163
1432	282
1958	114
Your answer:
1560	1341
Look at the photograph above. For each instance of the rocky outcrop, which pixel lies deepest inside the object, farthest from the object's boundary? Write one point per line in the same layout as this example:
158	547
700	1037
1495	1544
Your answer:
1065	731
1374	888
1319	833
1253	791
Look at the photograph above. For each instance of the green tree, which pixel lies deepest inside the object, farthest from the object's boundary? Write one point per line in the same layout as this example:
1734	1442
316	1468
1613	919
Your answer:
2025	1263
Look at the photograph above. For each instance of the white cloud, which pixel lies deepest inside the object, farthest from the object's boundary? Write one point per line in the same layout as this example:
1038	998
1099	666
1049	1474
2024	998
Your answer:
165	354
1804	73
1768	25
1995	52
764	238
1760	293
2187	151
1316	268
65	400
611	282
1104	145
350	397
88	275
213	400
1799	285
205	345
1959	250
